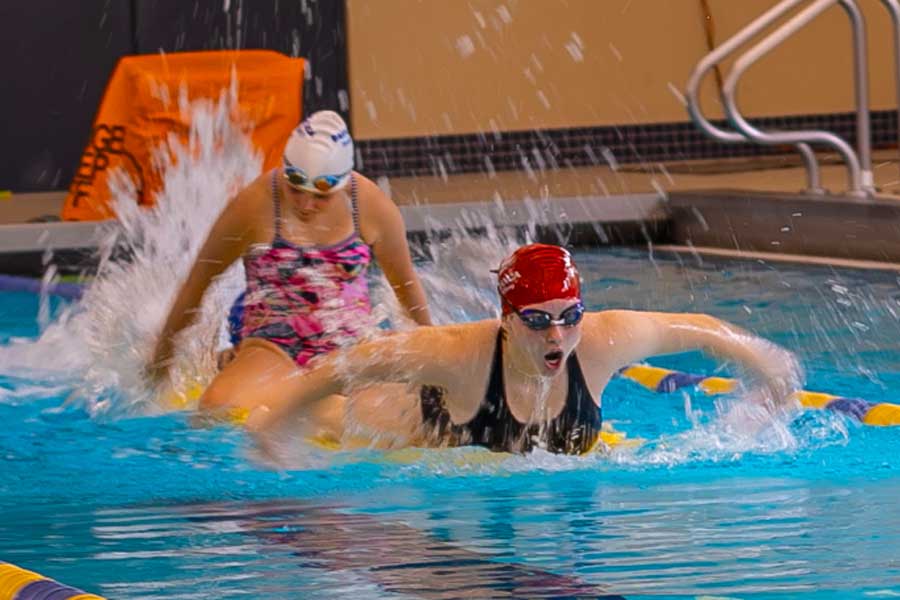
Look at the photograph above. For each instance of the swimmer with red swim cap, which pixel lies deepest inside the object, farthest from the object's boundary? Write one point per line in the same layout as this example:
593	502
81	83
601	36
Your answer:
532	378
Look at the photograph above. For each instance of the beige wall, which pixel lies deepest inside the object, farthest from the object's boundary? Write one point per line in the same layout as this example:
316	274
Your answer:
421	67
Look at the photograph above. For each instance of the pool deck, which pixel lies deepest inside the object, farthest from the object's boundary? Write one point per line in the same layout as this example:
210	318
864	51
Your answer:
751	205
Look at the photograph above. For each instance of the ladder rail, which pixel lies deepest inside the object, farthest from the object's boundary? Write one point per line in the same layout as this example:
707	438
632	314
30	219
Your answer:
717	55
858	185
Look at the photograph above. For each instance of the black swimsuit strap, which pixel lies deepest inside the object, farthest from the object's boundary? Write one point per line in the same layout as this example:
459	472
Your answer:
495	394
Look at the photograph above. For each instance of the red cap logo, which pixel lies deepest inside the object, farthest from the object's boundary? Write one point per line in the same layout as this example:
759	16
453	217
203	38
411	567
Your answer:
537	273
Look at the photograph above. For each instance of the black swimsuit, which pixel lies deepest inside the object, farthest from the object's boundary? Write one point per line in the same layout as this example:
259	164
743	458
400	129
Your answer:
575	430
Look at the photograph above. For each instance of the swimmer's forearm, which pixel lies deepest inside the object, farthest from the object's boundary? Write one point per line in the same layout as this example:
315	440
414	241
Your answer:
298	390
412	297
337	373
775	367
181	313
391	358
226	242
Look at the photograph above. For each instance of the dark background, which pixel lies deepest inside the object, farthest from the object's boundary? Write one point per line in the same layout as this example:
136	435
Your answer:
57	57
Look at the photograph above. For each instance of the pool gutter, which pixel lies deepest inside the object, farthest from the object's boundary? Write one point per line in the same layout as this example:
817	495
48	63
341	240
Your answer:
824	229
27	248
836	228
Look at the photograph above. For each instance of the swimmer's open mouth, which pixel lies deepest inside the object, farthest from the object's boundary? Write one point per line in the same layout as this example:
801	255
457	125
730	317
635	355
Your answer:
553	359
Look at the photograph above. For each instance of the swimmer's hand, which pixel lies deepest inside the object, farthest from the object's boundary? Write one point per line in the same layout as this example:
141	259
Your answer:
157	368
776	377
264	437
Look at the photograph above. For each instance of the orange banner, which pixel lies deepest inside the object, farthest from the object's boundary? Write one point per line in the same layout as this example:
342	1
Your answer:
132	120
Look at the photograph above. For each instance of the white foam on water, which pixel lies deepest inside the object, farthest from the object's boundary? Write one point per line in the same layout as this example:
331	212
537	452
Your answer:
101	345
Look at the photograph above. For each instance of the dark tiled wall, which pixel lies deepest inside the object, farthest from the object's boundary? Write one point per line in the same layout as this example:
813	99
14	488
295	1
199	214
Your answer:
580	147
50	97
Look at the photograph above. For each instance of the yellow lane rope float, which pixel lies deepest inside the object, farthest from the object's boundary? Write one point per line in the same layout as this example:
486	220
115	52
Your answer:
17	583
662	380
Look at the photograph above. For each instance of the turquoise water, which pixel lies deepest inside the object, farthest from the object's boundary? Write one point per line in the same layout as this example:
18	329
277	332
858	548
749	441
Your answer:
151	507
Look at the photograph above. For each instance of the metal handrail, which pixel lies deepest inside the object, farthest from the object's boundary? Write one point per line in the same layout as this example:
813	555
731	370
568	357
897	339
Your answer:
860	175
893	7
716	56
859	167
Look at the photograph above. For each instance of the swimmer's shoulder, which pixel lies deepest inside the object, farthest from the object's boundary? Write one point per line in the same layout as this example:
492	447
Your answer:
379	216
252	206
606	326
376	207
366	186
457	341
454	350
253	196
457	332
613	318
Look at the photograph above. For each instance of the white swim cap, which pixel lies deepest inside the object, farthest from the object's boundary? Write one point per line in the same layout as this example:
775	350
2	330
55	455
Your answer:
322	150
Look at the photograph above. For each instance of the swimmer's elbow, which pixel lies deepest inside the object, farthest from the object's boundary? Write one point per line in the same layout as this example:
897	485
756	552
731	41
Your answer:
364	364
709	323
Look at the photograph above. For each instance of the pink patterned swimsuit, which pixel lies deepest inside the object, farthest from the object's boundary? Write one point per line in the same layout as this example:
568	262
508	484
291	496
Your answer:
308	300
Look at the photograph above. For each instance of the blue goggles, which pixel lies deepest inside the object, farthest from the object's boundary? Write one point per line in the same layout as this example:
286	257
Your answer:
539	320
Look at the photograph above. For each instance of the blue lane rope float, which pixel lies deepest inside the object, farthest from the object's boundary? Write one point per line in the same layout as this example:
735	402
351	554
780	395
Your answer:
657	379
17	583
15	283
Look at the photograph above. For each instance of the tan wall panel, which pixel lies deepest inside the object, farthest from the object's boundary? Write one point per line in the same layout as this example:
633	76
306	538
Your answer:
422	67
811	72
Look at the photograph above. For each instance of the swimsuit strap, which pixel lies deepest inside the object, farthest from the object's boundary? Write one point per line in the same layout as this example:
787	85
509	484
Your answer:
354	204
493	425
276	203
495	394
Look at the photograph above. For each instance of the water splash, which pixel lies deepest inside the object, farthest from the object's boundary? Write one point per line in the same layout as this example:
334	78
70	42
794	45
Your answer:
101	345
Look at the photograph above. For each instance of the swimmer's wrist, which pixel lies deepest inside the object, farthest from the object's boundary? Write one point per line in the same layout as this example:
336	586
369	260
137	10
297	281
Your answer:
782	374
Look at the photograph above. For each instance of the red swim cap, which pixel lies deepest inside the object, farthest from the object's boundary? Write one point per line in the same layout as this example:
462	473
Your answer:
537	273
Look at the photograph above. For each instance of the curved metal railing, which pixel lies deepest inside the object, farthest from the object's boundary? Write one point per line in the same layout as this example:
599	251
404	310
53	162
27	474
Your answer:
893	7
715	57
859	165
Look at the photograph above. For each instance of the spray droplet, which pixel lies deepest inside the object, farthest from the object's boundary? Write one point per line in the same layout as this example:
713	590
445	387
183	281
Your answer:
575	48
677	93
615	52
465	46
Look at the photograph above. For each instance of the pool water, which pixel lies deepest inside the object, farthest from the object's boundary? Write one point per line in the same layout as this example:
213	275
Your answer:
152	507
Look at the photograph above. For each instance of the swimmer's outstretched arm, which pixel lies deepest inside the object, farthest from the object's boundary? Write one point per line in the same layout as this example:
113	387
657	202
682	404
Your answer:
631	336
229	237
432	355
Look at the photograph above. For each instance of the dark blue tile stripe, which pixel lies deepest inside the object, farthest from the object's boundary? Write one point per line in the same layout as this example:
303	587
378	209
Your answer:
588	146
